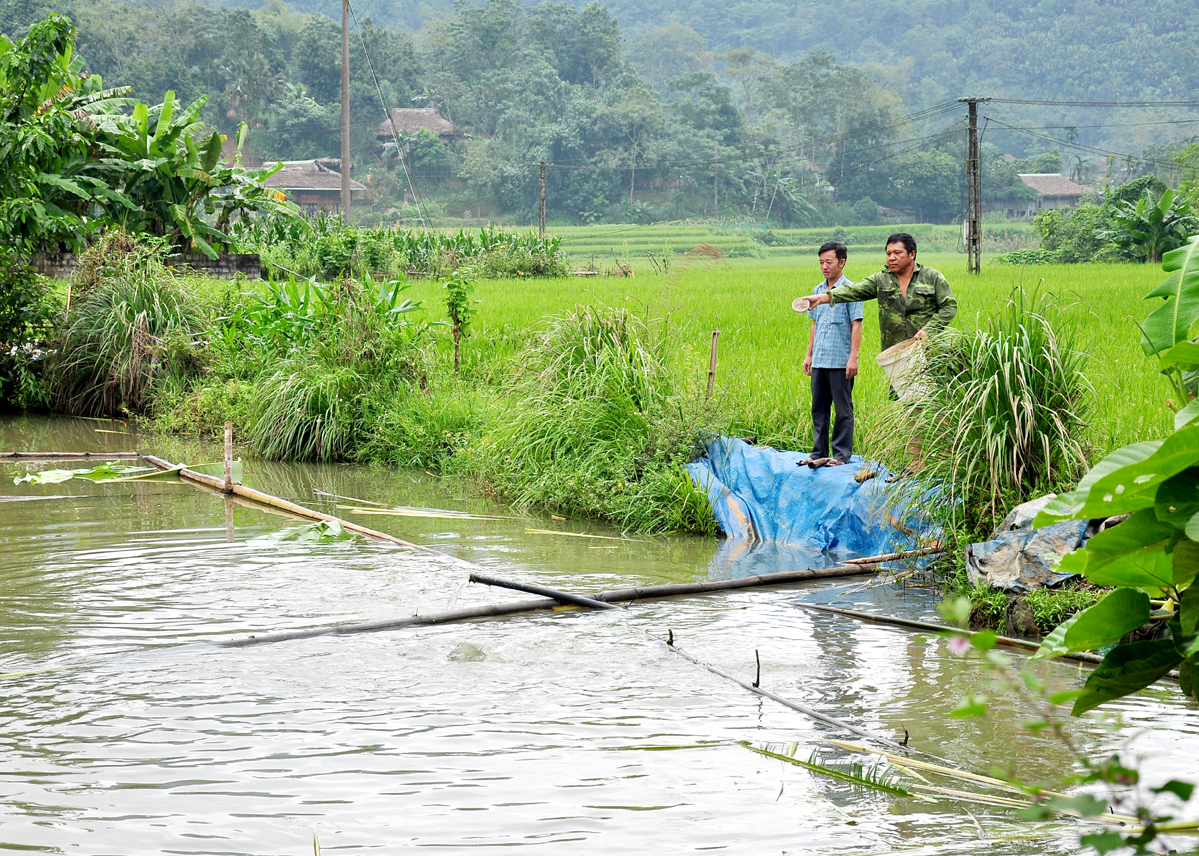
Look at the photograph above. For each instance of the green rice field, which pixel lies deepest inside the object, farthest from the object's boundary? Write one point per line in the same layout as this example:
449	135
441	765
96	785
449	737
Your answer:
602	245
759	378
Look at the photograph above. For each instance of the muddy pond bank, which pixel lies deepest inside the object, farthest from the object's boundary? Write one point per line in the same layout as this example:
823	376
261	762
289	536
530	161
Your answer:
566	729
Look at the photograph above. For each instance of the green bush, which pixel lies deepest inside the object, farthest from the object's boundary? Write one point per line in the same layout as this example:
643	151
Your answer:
131	325
306	411
1029	257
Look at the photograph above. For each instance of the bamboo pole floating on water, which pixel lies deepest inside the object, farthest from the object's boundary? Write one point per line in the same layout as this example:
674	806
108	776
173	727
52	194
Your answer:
516	607
891	557
572	599
1006	641
282	504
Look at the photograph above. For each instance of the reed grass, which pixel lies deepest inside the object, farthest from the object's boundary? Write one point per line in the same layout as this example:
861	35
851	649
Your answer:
1004	416
306	411
132	324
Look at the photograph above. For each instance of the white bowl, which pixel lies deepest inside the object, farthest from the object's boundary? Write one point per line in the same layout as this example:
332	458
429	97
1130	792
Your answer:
801	304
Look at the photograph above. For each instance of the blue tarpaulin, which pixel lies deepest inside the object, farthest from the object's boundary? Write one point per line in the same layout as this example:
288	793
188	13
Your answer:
759	493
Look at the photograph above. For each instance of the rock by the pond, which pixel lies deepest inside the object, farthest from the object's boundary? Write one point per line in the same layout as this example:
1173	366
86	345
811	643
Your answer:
466	652
1019	558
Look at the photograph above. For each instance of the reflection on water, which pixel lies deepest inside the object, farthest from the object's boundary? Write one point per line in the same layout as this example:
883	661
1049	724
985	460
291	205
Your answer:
148	739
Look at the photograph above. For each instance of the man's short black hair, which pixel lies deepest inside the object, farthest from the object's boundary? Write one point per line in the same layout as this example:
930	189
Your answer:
837	247
909	243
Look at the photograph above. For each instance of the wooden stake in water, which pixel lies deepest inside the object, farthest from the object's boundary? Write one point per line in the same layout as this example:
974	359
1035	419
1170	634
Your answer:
228	457
712	362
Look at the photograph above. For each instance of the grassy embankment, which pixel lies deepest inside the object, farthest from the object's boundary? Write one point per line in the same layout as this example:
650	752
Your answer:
424	415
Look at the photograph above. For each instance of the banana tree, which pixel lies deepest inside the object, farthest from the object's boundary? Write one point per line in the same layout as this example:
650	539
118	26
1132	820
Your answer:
176	179
1152	226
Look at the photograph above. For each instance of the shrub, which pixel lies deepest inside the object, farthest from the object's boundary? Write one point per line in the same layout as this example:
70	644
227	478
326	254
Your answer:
122	333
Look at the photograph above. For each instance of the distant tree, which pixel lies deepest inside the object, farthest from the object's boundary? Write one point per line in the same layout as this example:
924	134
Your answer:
707	106
928	183
665	54
752	72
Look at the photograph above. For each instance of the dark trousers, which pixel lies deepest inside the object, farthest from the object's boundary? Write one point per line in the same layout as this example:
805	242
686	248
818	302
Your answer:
830	387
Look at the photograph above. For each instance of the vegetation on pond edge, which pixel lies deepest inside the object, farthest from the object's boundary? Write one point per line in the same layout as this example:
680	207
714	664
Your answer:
362	370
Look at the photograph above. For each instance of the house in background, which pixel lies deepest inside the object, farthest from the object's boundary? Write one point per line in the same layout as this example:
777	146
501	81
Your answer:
410	120
313	184
1054	191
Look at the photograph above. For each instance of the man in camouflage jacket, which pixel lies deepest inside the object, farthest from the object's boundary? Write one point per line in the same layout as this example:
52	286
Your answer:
913	301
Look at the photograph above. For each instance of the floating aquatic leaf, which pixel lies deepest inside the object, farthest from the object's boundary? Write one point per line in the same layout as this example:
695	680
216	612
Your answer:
102	472
217	470
324	531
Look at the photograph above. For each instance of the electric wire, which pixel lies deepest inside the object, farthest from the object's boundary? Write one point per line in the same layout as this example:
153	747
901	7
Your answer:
1083	147
919	143
421	210
814	142
1045	103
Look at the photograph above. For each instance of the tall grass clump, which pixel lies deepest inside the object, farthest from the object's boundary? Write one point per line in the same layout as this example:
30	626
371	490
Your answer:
1004	416
307	411
593	426
131	321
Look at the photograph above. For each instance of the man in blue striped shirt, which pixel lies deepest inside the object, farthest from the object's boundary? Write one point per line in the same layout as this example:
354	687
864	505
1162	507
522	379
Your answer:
832	362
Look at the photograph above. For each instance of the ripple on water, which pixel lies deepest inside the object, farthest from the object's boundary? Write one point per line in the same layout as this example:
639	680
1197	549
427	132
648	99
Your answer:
575	731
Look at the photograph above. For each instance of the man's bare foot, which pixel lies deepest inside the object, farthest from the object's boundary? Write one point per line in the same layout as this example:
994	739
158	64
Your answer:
833	462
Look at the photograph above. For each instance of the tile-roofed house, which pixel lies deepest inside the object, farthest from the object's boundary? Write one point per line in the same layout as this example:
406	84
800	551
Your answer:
1055	189
313	183
410	120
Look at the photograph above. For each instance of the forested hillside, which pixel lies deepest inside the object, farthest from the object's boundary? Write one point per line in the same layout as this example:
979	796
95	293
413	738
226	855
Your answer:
799	113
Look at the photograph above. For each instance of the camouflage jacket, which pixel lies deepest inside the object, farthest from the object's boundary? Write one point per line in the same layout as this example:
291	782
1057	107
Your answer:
930	305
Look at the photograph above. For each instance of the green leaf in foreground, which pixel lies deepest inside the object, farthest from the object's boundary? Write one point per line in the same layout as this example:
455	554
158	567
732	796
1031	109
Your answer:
1105	623
1067	506
1125	670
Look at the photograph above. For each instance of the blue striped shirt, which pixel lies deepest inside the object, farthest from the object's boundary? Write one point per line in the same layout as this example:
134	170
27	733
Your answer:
833	324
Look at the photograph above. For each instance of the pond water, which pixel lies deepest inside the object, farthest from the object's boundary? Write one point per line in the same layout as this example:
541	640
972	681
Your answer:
569	732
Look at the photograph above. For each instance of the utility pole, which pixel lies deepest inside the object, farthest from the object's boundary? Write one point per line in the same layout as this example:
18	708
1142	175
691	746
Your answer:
541	219
716	179
974	204
345	111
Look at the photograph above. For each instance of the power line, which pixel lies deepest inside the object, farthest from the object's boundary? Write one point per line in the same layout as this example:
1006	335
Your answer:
955	129
929	113
1095	103
421	211
1082	147
747	157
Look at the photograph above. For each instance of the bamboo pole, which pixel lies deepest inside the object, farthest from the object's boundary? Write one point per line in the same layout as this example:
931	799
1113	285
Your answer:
891	557
516	607
282	504
1006	641
564	597
228	486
